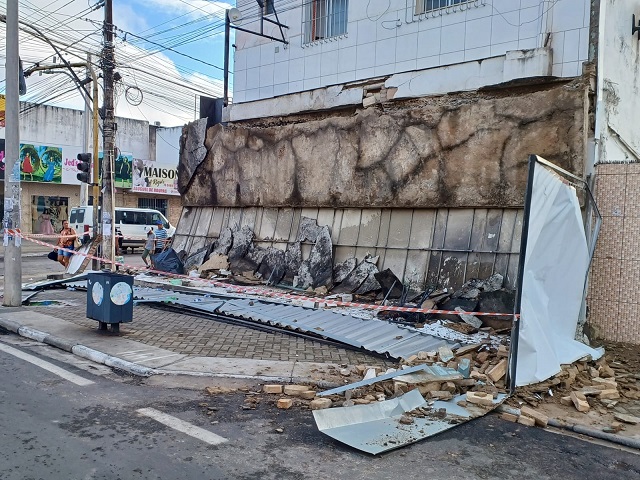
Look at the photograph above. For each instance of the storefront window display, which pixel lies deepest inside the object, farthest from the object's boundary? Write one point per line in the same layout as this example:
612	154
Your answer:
48	213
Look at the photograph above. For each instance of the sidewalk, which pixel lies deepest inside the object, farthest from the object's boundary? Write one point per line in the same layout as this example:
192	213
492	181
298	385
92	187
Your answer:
170	343
30	249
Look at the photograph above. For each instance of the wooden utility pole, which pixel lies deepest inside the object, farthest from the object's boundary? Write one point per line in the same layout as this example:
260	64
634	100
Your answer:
12	249
108	139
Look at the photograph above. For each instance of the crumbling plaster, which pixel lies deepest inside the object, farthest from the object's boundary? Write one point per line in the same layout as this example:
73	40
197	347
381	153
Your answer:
458	150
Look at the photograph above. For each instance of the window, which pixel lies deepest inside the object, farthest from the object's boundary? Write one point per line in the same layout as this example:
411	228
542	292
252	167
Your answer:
159	204
77	216
324	19
424	6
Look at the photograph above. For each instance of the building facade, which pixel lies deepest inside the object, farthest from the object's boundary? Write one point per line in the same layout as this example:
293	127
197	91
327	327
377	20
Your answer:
406	126
50	140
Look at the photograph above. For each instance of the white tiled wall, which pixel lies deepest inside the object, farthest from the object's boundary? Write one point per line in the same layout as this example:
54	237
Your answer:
385	37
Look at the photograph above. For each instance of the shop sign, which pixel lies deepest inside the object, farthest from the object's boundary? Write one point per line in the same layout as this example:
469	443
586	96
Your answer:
3	104
153	177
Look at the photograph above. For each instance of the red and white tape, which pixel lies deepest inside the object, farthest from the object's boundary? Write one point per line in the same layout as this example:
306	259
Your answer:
264	292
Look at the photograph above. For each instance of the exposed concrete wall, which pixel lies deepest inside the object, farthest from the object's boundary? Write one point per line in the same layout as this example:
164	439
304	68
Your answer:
443	247
464	150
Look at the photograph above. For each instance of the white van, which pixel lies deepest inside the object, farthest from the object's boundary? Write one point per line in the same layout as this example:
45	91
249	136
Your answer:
131	224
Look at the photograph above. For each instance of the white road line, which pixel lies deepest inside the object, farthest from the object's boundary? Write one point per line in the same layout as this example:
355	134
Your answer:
182	426
72	377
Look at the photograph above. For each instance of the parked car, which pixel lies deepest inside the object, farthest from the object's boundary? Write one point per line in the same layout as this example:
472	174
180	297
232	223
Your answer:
131	224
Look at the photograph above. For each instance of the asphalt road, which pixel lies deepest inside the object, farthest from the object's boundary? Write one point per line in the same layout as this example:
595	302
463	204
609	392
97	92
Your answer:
52	428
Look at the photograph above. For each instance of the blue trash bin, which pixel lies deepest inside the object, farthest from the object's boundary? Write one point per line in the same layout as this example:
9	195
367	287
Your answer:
110	299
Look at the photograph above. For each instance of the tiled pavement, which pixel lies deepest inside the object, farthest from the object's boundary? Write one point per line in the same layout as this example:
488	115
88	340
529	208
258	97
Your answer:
191	335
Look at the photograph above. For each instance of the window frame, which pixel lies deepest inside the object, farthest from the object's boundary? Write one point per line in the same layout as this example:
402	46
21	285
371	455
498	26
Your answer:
324	19
421	5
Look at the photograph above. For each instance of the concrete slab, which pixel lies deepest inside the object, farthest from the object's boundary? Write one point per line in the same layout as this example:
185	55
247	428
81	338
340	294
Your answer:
233	367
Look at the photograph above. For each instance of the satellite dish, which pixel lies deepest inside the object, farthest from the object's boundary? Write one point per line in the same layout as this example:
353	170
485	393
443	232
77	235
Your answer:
235	16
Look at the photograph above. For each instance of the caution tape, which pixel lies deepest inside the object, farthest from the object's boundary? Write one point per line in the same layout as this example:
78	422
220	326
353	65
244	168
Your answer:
55	236
266	292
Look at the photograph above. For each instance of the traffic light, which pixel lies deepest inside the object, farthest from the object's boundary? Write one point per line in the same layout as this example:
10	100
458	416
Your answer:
84	165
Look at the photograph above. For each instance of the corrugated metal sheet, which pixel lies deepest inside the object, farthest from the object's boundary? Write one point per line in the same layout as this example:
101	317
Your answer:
376	428
429	373
373	335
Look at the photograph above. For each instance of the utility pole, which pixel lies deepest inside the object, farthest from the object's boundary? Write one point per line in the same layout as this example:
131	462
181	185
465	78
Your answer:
108	138
12	248
84	187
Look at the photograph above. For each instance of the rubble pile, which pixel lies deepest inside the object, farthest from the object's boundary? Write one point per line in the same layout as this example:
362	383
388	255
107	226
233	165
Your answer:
585	386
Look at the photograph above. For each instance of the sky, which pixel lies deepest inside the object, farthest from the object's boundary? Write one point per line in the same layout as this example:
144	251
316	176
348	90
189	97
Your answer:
168	53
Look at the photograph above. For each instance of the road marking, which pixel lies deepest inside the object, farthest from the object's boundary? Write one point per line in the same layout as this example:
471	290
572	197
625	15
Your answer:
72	377
182	426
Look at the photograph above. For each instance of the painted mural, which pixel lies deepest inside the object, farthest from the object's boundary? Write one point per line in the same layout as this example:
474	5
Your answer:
40	163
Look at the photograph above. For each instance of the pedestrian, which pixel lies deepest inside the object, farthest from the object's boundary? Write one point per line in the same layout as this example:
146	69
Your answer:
67	239
161	237
149	247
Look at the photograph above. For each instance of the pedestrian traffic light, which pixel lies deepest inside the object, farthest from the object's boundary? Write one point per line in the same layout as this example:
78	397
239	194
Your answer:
84	165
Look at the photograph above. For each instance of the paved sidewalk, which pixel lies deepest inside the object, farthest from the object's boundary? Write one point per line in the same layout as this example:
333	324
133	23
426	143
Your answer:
166	342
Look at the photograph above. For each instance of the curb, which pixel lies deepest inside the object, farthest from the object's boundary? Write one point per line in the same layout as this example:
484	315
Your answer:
582	430
76	349
139	370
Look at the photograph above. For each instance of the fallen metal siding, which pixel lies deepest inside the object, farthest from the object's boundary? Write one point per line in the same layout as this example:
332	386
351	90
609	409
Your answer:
373	335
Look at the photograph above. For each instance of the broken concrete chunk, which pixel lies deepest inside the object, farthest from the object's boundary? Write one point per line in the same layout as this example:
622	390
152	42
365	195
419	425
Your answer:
272	267
272	389
541	419
308	395
318	268
509	417
284	403
292	260
391	285
295	390
492	284
342	270
222	245
445	354
611	394
356	278
441	395
529	422
498	371
464	367
195	260
479	398
215	262
320	403
580	401
630	419
468	318
308	230
242	240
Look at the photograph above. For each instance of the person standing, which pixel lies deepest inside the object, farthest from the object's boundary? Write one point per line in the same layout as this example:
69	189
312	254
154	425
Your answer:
67	238
149	246
161	237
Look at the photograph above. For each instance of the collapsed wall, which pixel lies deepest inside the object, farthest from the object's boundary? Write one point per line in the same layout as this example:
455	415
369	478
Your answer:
433	186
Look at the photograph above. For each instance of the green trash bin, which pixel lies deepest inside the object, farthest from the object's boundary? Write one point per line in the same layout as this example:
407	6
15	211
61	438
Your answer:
110	299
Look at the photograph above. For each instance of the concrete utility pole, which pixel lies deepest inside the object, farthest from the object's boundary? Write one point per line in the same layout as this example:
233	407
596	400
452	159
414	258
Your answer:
12	248
108	138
